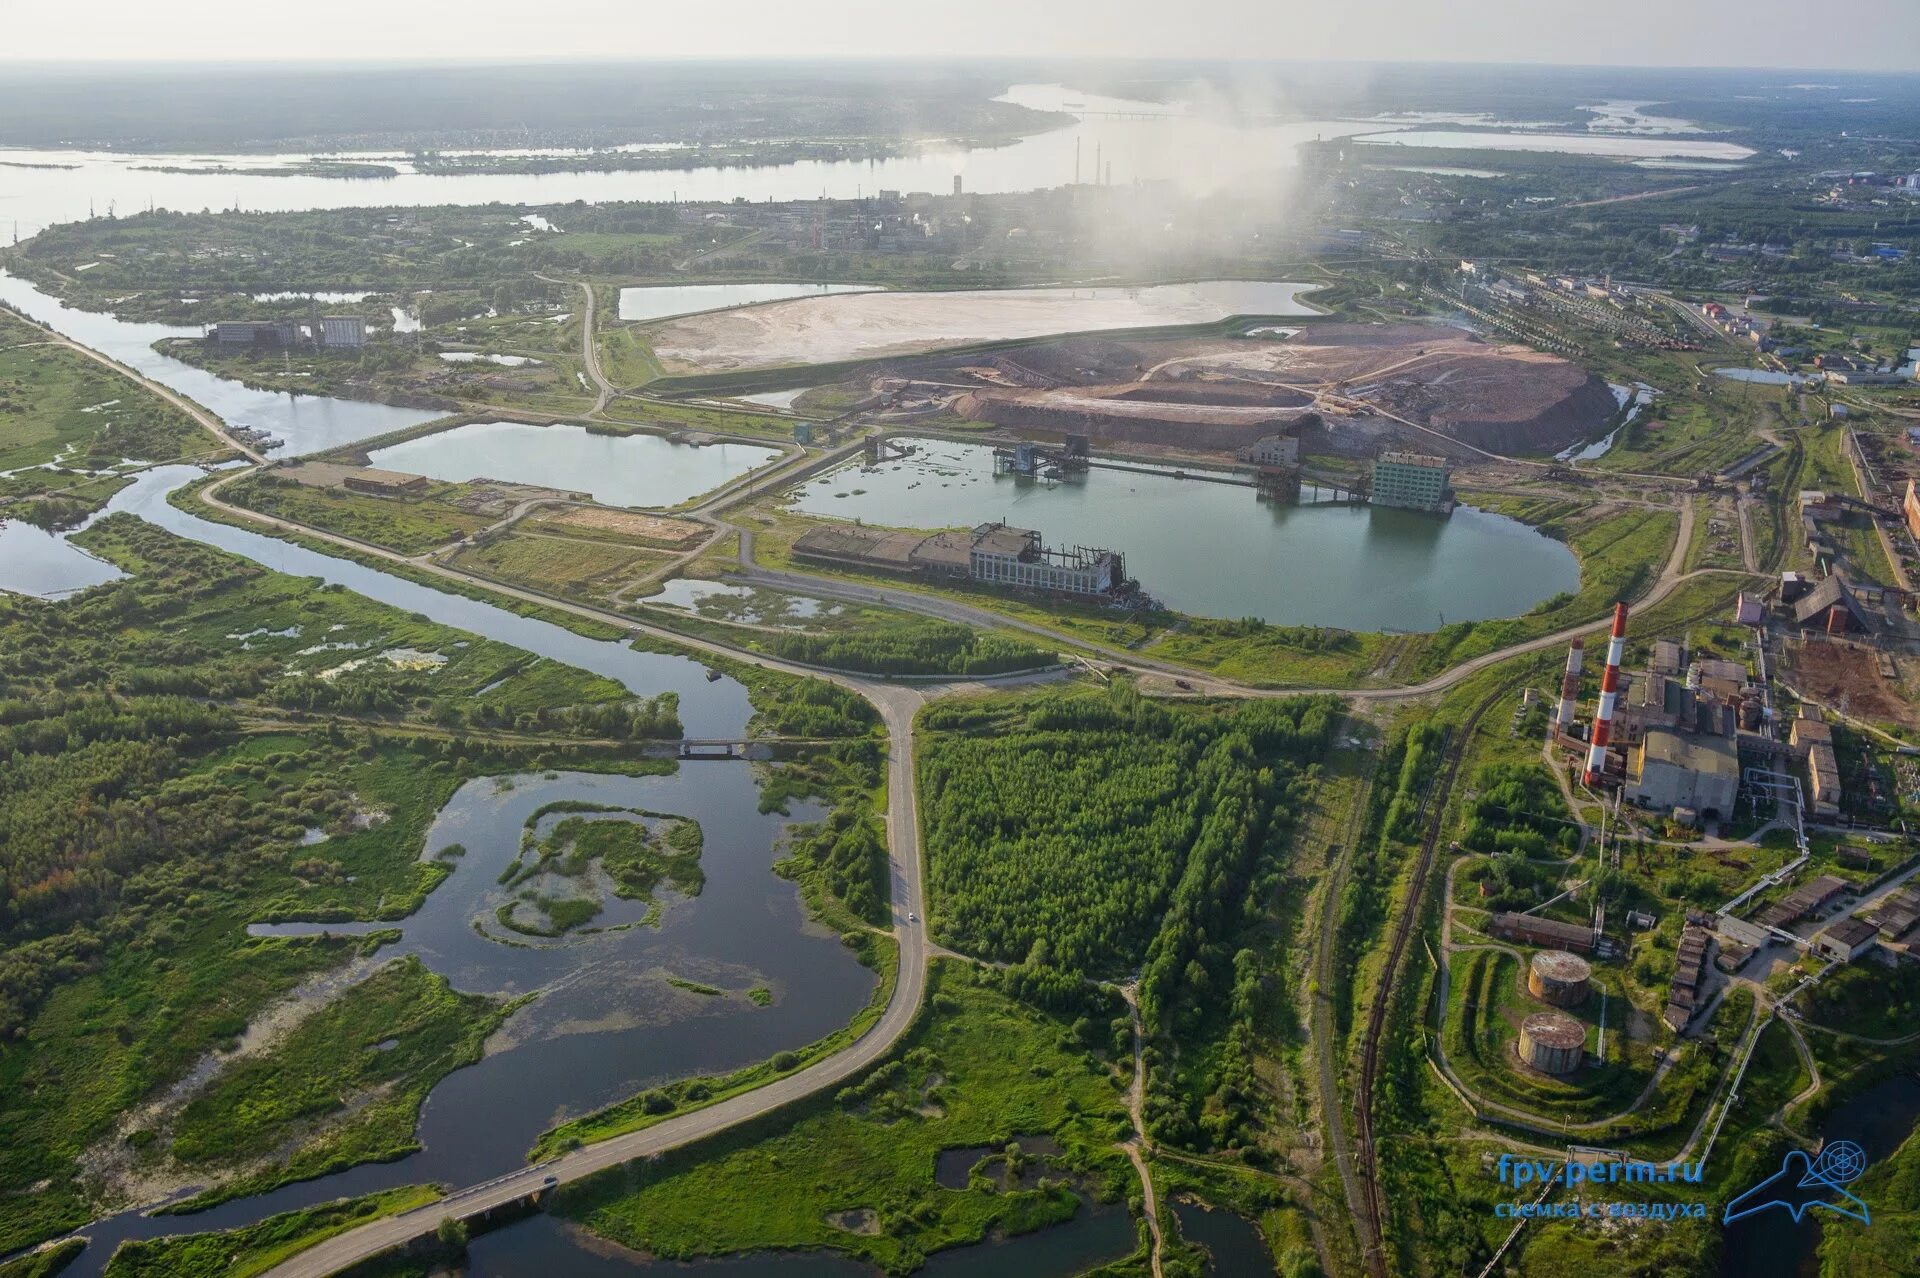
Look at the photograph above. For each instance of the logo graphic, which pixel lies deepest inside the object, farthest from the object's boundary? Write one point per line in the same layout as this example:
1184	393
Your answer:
1802	1184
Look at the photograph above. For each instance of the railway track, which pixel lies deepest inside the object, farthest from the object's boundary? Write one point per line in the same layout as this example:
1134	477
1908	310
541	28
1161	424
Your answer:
1373	1203
1371	1211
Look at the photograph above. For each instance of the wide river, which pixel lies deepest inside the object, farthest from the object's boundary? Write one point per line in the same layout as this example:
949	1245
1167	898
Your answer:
1215	550
1185	146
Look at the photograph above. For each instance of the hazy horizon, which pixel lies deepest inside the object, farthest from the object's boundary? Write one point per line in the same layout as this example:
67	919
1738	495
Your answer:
1846	36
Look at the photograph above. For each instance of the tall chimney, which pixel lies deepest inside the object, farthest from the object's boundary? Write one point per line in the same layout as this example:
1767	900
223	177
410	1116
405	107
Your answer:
1570	684
1609	693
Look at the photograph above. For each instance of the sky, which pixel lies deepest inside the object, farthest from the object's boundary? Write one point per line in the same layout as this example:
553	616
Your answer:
1838	34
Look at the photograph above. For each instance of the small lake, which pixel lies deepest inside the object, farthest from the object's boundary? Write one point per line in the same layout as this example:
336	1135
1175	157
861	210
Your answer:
1770	1244
750	604
1357	568
306	423
1234	1247
478	357
1761	376
46	565
659	301
619	470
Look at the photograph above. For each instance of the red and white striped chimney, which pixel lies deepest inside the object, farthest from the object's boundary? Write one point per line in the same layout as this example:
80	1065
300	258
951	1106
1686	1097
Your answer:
1609	693
1570	684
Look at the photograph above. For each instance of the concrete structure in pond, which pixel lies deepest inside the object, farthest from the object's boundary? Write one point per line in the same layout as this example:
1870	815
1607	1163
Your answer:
1413	481
1553	1042
1273	450
991	554
1559	978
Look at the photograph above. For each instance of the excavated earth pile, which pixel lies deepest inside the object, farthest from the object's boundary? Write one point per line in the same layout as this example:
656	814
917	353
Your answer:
1219	394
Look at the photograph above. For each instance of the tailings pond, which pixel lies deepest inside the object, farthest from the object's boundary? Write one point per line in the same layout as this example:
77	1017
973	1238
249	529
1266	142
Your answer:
1214	550
659	301
619	470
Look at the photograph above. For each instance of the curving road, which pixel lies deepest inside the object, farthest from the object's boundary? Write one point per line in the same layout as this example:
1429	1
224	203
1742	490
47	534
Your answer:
897	707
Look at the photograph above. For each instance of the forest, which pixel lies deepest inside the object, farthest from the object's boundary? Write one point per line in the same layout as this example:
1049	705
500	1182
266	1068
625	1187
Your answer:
912	647
1087	834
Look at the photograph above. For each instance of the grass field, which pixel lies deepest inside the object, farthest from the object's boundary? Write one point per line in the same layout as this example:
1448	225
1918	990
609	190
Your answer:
410	525
345	1087
856	1172
64	417
580	568
254	1249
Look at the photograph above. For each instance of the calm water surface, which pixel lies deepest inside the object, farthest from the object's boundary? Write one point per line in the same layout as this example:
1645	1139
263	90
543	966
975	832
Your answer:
1358	568
1770	1244
619	470
306	423
36	562
1234	1247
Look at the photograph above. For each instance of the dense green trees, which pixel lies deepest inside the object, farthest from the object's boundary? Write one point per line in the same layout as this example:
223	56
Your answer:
1081	835
913	647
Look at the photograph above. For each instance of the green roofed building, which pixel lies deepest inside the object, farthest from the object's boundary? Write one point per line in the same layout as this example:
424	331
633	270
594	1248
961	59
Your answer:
1413	481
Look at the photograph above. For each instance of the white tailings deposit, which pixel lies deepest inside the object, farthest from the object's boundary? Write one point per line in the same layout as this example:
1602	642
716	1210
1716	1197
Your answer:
825	330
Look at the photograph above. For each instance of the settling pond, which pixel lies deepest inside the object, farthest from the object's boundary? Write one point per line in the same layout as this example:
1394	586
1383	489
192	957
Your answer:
659	301
1214	550
619	470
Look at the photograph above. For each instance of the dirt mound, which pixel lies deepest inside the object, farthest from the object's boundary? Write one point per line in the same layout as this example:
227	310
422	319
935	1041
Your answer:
1195	427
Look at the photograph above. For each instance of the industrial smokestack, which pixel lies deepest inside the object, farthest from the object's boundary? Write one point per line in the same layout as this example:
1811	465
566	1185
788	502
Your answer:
1570	684
1609	694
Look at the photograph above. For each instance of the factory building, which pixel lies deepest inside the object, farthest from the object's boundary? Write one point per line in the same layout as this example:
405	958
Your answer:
1531	929
1272	450
1832	607
1687	990
1553	1042
1559	978
343	333
992	555
1669	770
333	332
1804	901
1413	481
1003	556
268	335
1847	940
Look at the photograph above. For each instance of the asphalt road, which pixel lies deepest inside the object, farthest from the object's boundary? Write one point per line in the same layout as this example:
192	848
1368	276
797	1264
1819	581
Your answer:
897	708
